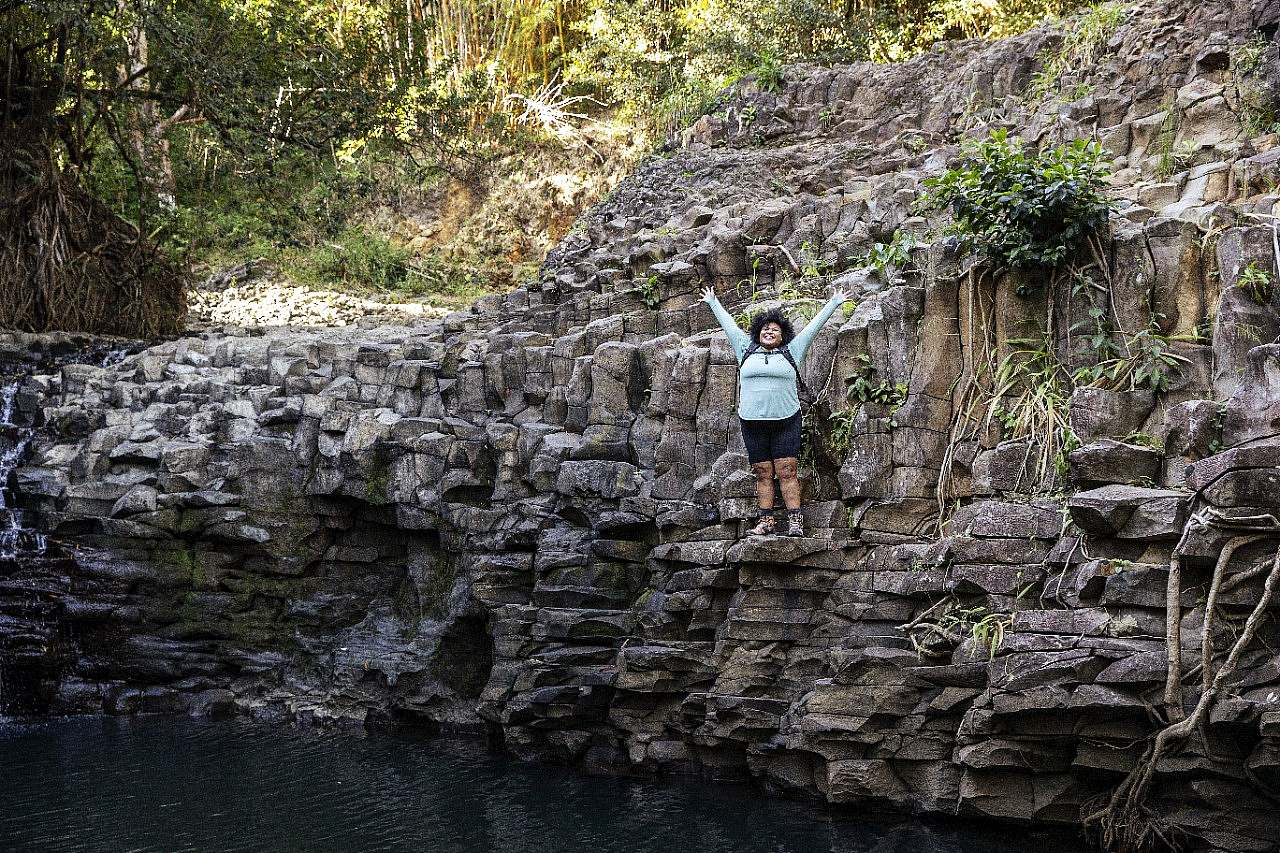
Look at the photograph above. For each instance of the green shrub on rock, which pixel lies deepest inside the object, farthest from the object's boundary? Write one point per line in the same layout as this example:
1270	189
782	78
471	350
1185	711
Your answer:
361	257
1255	281
1023	210
768	71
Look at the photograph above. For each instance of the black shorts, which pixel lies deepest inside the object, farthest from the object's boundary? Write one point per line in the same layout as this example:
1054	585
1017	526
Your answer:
767	440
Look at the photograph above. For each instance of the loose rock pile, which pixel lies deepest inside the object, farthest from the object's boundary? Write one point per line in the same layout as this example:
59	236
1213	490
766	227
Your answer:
262	299
528	516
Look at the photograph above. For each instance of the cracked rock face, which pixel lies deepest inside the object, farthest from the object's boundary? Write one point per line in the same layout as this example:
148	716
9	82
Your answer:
528	516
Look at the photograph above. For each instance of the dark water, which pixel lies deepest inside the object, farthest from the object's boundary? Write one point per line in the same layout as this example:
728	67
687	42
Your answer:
174	784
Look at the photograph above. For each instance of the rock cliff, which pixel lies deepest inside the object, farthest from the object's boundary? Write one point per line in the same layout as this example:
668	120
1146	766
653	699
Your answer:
528	516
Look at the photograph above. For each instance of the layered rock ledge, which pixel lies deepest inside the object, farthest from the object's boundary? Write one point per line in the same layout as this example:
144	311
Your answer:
528	516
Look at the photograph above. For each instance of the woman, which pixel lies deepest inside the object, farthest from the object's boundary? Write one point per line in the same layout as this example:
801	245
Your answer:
769	402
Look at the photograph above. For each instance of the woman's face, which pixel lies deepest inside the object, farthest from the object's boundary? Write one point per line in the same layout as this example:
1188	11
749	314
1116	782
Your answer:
771	335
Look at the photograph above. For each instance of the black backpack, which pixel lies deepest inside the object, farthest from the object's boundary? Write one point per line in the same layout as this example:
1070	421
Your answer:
807	397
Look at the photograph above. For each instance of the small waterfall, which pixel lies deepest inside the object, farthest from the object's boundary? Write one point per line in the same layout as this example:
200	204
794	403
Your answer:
34	577
29	592
16	537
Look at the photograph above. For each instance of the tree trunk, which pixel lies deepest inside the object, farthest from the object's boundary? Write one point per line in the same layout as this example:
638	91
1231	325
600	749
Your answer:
146	129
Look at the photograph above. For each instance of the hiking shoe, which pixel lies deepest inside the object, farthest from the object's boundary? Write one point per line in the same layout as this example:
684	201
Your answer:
795	523
765	526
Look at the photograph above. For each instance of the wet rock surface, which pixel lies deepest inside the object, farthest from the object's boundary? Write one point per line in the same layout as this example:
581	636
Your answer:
528	516
34	577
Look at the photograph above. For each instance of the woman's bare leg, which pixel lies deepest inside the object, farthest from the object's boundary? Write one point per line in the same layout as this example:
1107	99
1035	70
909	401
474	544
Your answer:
764	484
789	474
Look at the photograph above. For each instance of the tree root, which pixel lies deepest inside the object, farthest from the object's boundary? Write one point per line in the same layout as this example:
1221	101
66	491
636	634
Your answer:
1173	621
1126	824
1211	607
68	262
1256	525
1173	635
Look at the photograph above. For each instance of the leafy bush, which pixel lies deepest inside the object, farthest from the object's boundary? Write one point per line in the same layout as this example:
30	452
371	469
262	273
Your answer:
863	387
1020	210
768	72
1099	333
1148	362
891	259
1256	282
362	258
650	291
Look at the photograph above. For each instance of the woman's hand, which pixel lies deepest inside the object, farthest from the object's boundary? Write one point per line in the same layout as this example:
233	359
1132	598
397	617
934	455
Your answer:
840	295
708	295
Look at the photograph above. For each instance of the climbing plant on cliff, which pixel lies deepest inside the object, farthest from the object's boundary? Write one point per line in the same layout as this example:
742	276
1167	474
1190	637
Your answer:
1030	400
1023	214
1023	210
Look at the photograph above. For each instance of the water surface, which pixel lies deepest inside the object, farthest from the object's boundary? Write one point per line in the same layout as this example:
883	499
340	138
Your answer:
177	784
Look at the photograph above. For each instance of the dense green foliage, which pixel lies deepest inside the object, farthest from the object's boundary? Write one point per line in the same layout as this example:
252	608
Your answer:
239	128
224	85
1021	209
664	62
233	128
302	214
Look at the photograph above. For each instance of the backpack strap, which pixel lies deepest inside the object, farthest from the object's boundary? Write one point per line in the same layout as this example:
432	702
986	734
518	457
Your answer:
755	345
786	353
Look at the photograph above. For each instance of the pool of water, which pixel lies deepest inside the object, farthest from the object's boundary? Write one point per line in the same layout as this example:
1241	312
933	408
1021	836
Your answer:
176	784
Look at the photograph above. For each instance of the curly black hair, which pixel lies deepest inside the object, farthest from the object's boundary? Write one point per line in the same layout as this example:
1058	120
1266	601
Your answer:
773	315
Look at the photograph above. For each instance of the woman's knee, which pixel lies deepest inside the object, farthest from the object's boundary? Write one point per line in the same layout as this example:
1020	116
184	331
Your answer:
763	471
787	468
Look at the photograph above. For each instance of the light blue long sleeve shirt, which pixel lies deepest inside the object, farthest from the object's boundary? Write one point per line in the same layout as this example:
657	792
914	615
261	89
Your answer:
767	385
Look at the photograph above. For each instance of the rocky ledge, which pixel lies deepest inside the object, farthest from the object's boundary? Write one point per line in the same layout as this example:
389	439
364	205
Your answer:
527	517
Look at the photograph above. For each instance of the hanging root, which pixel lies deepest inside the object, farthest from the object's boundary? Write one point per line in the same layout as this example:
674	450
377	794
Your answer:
1211	606
975	322
68	262
1173	620
1122	822
1257	526
1173	635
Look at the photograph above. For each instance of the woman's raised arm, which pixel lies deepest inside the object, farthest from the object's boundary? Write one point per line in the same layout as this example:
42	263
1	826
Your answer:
799	345
738	339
